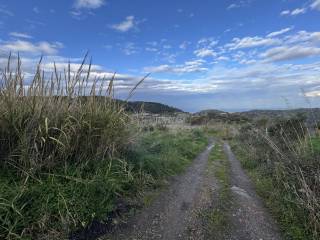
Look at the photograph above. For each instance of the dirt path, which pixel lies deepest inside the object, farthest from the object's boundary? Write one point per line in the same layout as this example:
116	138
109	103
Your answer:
177	212
250	219
173	214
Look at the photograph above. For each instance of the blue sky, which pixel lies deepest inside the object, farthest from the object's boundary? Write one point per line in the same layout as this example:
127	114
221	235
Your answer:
234	54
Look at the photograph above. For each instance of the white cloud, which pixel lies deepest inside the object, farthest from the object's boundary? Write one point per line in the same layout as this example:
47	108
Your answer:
184	45
313	94
129	49
280	32
29	47
239	4
36	10
294	12
20	35
316	5
250	42
160	68
276	46
154	43
89	4
298	11
128	24
207	42
285	53
205	47
223	58
233	5
303	36
61	66
76	14
169	57
151	49
285	12
187	67
6	12
205	52
246	61
258	76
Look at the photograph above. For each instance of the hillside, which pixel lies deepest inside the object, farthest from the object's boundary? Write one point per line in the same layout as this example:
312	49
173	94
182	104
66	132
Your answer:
206	116
311	115
138	106
210	112
151	107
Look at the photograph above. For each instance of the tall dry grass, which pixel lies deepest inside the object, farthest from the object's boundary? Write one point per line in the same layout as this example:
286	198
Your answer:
61	136
54	120
287	159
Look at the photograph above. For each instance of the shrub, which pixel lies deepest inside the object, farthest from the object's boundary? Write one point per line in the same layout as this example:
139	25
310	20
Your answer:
59	151
287	155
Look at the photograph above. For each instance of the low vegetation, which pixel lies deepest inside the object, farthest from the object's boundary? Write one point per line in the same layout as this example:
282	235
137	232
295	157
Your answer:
217	216
68	155
283	160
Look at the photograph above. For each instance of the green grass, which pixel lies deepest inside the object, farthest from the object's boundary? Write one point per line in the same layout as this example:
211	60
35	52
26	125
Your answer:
315	142
217	216
165	154
59	202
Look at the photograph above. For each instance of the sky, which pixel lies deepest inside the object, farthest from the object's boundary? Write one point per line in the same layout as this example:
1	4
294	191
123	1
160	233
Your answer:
201	54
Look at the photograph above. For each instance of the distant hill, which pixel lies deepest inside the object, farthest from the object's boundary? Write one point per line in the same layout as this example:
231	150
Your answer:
210	112
308	113
311	116
206	116
150	107
138	106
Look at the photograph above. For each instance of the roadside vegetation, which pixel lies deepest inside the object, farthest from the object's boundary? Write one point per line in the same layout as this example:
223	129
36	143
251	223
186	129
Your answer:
68	156
283	160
